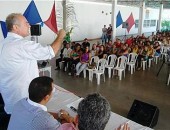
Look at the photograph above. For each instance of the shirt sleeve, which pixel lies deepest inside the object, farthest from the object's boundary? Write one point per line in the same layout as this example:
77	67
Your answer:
44	121
35	51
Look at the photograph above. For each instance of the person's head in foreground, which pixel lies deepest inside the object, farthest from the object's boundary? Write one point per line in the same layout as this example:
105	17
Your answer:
31	113
40	89
93	112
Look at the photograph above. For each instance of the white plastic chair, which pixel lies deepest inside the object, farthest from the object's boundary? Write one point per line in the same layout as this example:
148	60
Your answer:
156	58
110	63
132	57
100	69
168	80
150	62
121	66
47	68
163	51
144	64
93	59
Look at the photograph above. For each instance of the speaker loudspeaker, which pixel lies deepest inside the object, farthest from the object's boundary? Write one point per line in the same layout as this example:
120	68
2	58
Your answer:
125	25
35	30
144	114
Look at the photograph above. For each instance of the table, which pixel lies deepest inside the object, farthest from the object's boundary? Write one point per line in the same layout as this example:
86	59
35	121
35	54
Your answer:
62	99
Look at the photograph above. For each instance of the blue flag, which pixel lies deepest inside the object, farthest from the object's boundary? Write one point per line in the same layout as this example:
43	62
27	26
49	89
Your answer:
32	14
119	20
4	28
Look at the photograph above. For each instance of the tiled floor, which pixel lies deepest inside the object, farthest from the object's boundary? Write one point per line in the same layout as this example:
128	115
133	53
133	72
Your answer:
142	85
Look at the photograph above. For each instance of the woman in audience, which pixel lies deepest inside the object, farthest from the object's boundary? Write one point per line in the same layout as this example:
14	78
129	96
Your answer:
114	50
94	50
157	48
109	47
84	60
102	53
142	55
123	51
135	49
150	52
74	58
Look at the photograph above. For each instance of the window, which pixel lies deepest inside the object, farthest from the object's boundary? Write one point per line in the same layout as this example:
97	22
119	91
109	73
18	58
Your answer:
146	23
153	23
136	23
147	14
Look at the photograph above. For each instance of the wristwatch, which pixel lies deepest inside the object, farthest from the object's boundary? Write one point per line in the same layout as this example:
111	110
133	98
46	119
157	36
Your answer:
60	114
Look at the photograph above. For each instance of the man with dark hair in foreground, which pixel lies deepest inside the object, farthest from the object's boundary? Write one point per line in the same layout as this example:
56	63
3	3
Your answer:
31	113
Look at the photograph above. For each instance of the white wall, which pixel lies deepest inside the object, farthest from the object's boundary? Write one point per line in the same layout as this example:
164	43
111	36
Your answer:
91	19
89	16
125	13
166	14
44	7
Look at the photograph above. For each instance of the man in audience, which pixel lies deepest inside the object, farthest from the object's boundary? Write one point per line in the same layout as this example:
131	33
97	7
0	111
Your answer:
65	57
31	113
85	43
19	57
104	34
93	113
109	32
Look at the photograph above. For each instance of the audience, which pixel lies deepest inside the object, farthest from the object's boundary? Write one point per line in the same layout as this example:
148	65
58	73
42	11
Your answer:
139	45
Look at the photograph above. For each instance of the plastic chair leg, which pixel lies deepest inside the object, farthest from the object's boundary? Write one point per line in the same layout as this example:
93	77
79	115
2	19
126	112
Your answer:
98	78
109	72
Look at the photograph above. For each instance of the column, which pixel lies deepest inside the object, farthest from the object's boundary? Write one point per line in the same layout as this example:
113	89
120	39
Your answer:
141	17
113	19
160	17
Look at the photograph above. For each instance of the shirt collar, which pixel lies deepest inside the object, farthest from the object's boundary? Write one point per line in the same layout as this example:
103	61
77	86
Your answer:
11	34
37	104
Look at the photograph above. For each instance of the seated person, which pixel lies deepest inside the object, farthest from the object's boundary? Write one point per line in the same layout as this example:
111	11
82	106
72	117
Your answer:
113	50
109	47
118	43
85	43
102	53
65	56
157	48
135	49
93	113
94	50
74	59
31	113
150	52
142	55
123	51
84	60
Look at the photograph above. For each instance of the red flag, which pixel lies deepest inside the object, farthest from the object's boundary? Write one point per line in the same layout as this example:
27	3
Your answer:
52	22
130	22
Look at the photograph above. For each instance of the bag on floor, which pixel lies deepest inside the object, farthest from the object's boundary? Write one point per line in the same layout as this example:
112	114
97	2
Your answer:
92	65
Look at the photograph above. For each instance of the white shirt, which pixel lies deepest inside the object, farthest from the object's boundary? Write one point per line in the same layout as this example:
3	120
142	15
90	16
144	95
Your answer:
37	104
18	66
66	52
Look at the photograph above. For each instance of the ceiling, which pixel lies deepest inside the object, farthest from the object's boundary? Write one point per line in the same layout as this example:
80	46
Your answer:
148	3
